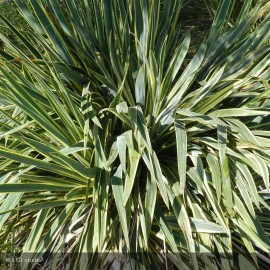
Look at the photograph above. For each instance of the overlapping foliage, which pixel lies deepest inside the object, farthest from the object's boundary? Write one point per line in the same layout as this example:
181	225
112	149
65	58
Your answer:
235	11
111	144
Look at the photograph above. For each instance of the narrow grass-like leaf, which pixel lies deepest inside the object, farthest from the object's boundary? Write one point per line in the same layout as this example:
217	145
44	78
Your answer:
36	232
181	142
117	186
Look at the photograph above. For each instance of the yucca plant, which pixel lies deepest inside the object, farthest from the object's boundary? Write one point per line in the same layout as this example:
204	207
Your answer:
114	151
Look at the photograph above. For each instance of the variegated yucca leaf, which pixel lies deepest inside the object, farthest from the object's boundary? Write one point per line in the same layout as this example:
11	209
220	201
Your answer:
115	150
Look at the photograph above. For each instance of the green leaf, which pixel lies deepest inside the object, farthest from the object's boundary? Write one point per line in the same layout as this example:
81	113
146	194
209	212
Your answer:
140	87
181	143
134	158
236	112
205	226
117	187
36	232
167	233
30	187
11	200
